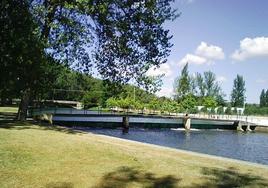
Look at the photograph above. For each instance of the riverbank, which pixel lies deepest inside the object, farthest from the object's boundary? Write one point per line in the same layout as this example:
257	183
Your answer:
42	156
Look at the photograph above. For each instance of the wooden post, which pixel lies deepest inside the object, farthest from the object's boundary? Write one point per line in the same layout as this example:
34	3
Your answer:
125	124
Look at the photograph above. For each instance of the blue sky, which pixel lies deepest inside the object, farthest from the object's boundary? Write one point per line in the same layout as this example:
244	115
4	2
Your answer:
226	37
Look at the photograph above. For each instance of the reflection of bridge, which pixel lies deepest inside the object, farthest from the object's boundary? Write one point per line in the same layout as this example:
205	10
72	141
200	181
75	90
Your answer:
74	117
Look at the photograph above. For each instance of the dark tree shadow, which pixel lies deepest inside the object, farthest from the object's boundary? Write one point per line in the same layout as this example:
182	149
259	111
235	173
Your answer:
19	125
7	117
8	121
226	178
124	176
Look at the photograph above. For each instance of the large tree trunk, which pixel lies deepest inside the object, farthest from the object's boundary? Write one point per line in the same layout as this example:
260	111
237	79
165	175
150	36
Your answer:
23	107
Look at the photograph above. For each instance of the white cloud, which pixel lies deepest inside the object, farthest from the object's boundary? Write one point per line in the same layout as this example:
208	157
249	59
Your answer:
261	81
204	54
163	69
210	51
193	59
221	79
251	47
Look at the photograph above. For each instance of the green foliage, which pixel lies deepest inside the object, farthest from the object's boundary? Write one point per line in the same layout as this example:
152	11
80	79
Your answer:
200	86
204	110
220	110
262	98
169	106
253	109
123	39
139	105
211	85
154	104
200	90
126	103
228	110
210	102
80	34
188	103
266	98
238	93
92	99
182	83
112	102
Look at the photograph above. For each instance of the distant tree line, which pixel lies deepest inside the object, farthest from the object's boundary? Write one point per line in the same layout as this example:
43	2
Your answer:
204	90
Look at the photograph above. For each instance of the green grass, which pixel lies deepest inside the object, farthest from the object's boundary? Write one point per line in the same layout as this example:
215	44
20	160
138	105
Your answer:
42	156
9	109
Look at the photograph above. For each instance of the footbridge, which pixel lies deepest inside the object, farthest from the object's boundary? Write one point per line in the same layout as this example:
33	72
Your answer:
111	119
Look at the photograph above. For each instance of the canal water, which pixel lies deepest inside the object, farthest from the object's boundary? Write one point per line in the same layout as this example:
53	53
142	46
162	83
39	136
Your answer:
251	146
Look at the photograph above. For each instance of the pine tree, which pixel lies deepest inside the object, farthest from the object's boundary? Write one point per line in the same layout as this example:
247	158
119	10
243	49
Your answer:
263	99
238	92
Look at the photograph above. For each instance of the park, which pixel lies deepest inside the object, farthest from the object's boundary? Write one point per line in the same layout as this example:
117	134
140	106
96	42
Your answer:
119	94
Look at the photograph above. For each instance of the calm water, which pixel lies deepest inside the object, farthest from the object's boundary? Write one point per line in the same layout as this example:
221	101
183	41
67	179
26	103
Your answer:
232	144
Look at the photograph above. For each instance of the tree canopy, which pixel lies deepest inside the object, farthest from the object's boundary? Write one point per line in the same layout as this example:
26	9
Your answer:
120	40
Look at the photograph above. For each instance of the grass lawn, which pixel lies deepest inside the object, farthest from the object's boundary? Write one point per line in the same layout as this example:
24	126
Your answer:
42	156
9	109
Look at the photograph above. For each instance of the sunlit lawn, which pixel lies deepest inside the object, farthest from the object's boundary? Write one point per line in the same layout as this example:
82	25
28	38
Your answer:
9	109
40	156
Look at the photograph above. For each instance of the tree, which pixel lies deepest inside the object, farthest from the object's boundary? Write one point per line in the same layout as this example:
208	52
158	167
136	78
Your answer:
212	88
182	83
266	98
188	103
122	39
20	49
238	93
154	104
263	98
112	102
210	102
201	90
92	99
207	86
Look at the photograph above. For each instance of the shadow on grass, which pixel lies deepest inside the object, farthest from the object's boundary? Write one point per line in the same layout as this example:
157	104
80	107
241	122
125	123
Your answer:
214	177
125	176
225	178
7	115
18	125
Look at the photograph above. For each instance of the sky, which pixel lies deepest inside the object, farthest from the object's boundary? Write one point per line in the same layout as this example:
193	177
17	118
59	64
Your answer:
227	37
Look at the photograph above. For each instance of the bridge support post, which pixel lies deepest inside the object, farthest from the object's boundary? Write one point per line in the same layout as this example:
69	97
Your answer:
238	126
187	122
125	124
248	128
